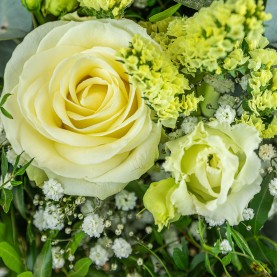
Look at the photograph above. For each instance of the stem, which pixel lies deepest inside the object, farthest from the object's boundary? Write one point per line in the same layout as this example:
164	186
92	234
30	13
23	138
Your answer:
156	257
40	19
149	271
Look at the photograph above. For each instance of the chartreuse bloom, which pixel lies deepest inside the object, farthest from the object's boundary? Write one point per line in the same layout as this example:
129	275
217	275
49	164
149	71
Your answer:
32	5
266	132
104	8
214	39
216	172
165	90
157	200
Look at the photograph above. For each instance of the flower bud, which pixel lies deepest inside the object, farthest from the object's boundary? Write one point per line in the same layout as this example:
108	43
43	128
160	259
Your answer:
31	5
59	7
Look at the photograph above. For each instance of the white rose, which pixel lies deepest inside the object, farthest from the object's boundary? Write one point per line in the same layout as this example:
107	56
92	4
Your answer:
217	171
74	109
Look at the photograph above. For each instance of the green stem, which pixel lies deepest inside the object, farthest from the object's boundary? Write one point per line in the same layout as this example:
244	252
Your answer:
134	259
156	257
39	17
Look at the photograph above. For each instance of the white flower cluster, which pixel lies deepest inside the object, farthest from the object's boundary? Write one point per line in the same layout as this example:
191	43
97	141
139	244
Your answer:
225	114
99	255
248	214
49	218
121	248
273	187
93	225
6	183
52	190
225	246
125	200
267	152
58	260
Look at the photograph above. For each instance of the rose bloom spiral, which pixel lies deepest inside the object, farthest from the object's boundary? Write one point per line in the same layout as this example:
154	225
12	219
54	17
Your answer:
74	110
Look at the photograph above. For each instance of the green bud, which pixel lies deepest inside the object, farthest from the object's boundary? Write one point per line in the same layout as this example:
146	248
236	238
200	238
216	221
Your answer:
211	96
31	5
59	7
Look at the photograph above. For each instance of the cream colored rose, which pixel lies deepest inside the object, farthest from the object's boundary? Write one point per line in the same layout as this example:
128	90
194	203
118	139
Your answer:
217	171
74	109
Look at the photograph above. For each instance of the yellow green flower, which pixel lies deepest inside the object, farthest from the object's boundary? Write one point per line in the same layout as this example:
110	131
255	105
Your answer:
157	200
59	7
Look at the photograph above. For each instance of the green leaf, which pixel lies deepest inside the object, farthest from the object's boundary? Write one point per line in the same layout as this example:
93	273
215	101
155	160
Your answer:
81	268
236	262
180	259
227	259
208	265
241	242
4	164
22	169
6	199
18	200
167	13
73	245
6	113
43	264
25	274
10	257
261	205
4	99
195	4
198	259
185	251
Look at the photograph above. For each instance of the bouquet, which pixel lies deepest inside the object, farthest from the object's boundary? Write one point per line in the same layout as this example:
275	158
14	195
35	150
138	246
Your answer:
138	138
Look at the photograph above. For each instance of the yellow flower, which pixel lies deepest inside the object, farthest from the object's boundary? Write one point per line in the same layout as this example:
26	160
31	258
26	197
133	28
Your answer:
77	114
217	170
157	200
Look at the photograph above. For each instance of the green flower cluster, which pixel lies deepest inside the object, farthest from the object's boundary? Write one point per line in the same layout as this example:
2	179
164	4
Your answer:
165	90
216	39
104	8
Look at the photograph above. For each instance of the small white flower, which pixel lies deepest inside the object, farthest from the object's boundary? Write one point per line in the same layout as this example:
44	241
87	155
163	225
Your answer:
176	134
71	258
188	124
140	261
244	82
225	114
213	223
53	219
194	230
140	4
11	157
39	221
225	246
53	190
7	180
125	200
58	260
248	214
226	99
93	225
267	152
121	248
273	187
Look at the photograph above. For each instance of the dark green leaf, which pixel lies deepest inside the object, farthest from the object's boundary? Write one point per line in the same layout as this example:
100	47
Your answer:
208	265
6	199
43	264
158	236
167	13
198	259
180	259
261	205
236	262
73	245
16	183
6	113
227	259
25	274
241	242
185	251
17	162
81	268
18	200
4	99
22	169
4	164
11	257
